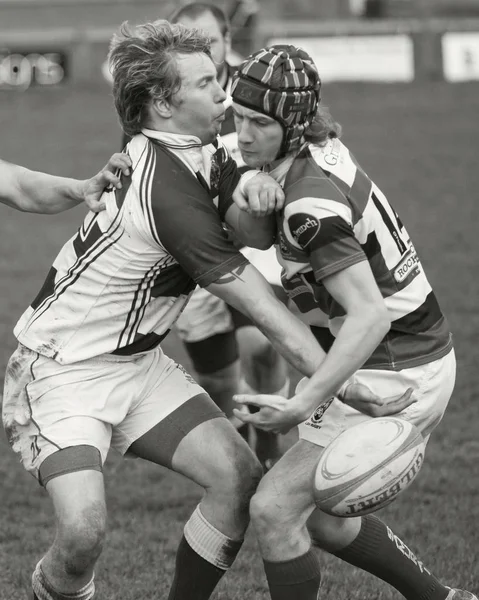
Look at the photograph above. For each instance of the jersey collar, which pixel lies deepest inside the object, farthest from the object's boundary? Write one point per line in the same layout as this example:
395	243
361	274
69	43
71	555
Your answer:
178	141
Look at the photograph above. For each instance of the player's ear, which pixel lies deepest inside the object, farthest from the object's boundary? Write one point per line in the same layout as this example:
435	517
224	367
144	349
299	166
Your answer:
162	108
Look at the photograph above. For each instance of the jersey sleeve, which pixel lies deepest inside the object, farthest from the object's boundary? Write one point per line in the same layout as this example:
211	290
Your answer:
224	176
324	231
190	229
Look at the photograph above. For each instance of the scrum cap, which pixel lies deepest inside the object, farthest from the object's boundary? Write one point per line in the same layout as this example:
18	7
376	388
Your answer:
282	82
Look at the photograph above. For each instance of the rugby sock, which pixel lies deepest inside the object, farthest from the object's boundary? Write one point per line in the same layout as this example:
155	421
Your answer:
296	579
204	555
380	552
43	589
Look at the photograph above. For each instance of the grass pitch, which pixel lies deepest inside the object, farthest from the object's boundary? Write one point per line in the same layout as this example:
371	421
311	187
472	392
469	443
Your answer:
419	142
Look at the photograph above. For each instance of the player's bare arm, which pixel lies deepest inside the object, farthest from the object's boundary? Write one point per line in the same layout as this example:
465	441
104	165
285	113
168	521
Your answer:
248	291
366	323
33	191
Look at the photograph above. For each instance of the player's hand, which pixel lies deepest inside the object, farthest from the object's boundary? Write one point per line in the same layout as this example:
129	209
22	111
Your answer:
276	413
361	398
262	196
108	176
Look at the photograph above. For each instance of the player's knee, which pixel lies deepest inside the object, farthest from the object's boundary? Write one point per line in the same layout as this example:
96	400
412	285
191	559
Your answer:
81	538
239	475
265	513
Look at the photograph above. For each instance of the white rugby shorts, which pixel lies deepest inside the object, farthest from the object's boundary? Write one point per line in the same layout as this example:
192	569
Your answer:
432	385
108	401
206	315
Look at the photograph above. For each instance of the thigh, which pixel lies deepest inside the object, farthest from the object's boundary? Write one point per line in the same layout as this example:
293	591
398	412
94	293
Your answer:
214	454
174	405
79	500
210	453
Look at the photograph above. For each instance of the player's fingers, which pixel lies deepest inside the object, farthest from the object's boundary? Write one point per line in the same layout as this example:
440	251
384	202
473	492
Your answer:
240	201
271	201
111	179
121	161
254	399
361	393
279	198
401	399
254	203
245	417
397	406
266	206
96	206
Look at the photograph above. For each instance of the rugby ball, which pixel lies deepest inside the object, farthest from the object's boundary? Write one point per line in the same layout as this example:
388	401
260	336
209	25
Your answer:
367	466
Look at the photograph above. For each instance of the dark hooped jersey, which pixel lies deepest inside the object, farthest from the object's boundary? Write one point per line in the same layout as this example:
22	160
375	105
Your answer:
119	284
335	217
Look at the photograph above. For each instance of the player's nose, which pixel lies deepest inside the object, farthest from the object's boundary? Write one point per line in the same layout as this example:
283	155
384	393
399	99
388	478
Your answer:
220	95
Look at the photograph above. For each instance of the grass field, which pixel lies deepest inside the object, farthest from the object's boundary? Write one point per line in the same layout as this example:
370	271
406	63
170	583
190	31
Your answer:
419	142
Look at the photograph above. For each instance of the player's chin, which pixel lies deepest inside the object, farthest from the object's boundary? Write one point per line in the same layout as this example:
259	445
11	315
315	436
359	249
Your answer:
211	136
251	161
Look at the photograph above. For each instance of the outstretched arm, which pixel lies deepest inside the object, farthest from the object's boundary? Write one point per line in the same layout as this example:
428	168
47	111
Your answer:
248	291
32	191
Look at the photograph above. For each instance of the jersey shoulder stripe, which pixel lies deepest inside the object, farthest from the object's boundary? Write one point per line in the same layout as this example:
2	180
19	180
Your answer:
145	189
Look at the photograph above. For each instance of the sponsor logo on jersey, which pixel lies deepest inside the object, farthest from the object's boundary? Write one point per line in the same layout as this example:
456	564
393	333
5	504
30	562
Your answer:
332	158
304	228
409	264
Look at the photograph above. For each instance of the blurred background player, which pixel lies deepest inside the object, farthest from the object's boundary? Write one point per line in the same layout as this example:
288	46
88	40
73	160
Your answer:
229	354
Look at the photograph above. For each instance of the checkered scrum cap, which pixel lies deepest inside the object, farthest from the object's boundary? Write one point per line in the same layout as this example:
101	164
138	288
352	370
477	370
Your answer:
281	82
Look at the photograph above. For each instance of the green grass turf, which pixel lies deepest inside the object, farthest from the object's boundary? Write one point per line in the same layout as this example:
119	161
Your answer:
419	142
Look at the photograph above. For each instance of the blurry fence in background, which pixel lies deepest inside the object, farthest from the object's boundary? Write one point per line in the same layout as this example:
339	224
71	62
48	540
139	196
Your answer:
52	42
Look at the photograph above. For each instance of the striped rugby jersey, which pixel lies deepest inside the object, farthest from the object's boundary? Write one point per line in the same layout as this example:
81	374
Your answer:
119	284
335	217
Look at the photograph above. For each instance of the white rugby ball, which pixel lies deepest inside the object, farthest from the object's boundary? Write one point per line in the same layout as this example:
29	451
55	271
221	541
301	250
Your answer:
367	466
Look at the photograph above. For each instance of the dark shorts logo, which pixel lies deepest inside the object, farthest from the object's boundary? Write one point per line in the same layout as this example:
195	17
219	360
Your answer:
315	420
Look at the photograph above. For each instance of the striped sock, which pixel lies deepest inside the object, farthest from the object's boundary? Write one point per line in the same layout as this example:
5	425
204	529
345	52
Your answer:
203	556
43	589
